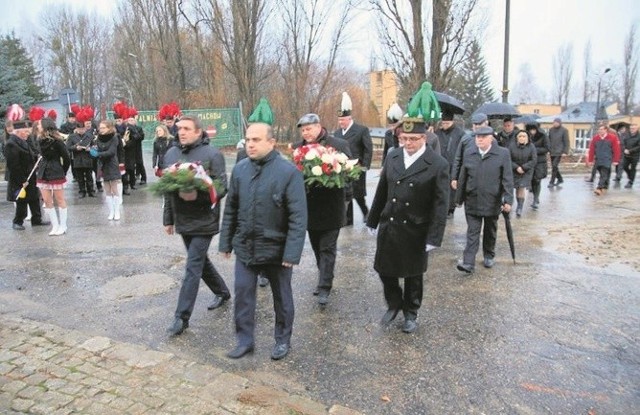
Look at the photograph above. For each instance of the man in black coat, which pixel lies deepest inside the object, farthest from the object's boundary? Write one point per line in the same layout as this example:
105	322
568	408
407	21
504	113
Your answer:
449	135
559	146
193	217
69	126
409	211
21	155
137	135
325	207
631	153
361	147
486	188
508	133
265	219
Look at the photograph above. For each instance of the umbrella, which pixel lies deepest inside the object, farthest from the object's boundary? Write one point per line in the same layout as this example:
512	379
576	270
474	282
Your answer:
527	119
449	103
507	226
498	110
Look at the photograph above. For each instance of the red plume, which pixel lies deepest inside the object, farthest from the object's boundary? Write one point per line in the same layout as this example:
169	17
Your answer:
52	114
170	110
84	114
36	113
132	112
75	108
120	110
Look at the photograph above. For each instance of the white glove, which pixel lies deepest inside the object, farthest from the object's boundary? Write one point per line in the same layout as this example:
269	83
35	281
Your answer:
429	248
372	231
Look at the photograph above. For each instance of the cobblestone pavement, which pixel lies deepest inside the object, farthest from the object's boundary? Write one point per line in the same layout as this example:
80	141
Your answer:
45	369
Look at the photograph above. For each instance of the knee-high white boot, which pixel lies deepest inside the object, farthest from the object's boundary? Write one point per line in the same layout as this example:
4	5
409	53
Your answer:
62	229
119	190
53	217
111	204
117	201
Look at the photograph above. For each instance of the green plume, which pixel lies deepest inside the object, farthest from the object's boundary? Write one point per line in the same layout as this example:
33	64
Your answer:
262	113
424	104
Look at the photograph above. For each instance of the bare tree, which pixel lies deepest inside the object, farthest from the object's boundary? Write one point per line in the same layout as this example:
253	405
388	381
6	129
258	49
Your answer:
526	89
630	65
562	71
587	89
402	38
78	46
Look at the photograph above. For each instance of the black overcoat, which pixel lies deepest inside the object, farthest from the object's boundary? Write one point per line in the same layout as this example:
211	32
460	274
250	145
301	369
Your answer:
485	183
410	211
55	160
522	156
21	156
541	143
361	146
326	206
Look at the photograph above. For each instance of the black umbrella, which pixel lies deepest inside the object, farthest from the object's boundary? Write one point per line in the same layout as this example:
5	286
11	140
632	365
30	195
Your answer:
527	119
498	110
449	103
507	226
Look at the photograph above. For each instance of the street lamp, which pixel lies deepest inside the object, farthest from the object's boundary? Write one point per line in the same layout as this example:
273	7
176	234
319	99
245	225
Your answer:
597	116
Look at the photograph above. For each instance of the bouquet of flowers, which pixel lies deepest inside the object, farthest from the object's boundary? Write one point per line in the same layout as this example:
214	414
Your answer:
325	166
186	179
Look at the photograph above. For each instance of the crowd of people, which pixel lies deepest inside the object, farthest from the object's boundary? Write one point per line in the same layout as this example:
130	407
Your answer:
429	170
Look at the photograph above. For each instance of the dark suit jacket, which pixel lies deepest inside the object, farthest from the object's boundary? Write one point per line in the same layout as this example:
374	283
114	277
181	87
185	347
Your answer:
410	207
361	148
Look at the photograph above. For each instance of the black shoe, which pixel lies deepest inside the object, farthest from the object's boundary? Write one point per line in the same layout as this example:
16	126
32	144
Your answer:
132	187
143	182
100	190
409	326
82	195
316	291
92	194
617	179
519	211
218	301
178	326
18	227
489	262
240	351
550	185
559	182
263	281
41	223
534	206
588	180
628	185
280	351
388	317
468	268
126	193
323	298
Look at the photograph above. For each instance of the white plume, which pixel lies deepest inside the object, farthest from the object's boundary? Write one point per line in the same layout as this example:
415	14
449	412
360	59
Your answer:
395	112
346	104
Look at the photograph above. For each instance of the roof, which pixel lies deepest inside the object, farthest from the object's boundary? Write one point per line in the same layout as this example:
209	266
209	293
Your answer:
584	112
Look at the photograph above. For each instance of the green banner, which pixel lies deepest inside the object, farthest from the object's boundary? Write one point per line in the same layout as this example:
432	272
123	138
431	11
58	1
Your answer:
225	122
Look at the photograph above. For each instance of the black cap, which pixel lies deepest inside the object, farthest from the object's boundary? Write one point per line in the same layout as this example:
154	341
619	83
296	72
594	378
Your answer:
447	116
71	114
485	130
308	119
413	125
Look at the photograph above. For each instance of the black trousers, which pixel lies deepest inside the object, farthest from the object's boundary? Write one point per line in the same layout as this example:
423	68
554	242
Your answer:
556	176
84	176
198	266
129	178
408	301
141	171
21	211
324	244
605	175
246	278
362	203
629	166
489	235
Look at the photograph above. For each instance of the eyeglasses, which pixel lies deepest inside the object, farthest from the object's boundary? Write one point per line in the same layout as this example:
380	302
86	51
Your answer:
412	138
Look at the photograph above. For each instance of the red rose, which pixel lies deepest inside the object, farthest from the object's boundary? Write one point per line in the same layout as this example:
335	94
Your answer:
326	169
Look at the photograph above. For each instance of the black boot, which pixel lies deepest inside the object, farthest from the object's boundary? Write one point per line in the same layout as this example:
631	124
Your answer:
519	208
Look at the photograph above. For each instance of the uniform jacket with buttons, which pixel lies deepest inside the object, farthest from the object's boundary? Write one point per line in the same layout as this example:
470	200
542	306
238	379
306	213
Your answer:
410	209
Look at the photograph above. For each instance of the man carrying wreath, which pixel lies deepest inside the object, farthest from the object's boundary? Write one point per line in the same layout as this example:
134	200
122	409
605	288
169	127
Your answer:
325	206
192	216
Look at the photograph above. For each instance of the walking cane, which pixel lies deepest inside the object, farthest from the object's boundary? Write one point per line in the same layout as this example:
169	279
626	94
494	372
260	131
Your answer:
23	192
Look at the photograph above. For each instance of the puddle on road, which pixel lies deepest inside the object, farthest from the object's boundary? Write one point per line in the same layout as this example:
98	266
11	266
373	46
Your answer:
136	286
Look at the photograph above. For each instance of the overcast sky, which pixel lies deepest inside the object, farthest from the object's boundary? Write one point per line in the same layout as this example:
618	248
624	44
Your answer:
538	28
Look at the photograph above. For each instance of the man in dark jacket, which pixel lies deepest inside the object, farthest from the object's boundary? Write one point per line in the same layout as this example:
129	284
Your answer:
559	146
631	154
137	136
410	211
69	126
265	219
21	156
325	207
485	187
78	144
449	135
196	221
477	120
361	147
508	133
604	149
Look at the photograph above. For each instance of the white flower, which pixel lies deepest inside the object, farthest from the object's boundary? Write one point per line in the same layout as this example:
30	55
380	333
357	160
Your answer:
337	167
327	158
350	163
311	154
316	170
342	158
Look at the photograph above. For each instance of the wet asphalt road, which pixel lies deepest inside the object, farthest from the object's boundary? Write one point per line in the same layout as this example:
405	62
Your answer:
556	333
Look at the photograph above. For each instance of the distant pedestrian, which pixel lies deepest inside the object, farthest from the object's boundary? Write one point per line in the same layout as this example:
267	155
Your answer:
622	133
541	143
359	140
409	211
394	116
264	224
106	152
160	148
196	221
477	120
449	135
559	147
523	162
631	154
486	189
604	150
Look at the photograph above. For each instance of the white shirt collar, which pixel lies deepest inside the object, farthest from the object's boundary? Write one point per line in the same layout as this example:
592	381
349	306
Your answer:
347	129
409	160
